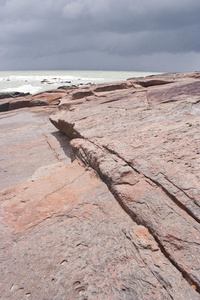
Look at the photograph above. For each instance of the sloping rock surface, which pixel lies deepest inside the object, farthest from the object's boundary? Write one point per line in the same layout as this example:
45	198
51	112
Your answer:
144	142
116	216
65	237
28	142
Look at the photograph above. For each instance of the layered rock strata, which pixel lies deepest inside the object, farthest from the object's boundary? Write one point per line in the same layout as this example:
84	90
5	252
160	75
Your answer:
143	140
67	238
8	101
122	220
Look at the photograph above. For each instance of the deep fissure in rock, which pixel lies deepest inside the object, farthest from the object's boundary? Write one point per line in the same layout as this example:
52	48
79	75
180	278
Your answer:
134	217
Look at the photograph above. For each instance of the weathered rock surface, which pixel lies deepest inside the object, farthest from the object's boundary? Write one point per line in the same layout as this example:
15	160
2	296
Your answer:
122	220
11	102
144	143
65	237
12	95
28	142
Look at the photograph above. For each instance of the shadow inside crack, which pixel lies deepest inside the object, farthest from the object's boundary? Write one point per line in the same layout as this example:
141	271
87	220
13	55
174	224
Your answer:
64	142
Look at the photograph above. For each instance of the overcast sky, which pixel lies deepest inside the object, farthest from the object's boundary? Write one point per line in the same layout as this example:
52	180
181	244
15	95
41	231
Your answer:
133	35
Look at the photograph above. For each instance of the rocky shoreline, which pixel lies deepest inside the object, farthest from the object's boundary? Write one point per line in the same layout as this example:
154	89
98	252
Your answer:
116	214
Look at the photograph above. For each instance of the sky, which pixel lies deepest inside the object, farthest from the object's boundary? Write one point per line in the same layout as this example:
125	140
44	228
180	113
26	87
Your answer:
129	35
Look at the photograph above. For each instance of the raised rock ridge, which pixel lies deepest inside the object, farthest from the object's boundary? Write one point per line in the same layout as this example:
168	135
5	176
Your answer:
122	220
144	144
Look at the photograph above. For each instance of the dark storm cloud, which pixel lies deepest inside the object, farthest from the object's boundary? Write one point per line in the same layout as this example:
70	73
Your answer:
96	34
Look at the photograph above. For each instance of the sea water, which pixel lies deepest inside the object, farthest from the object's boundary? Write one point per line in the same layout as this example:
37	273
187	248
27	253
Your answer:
38	81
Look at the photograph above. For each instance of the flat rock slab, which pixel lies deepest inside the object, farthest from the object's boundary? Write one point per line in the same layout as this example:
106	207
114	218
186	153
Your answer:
64	236
27	142
143	140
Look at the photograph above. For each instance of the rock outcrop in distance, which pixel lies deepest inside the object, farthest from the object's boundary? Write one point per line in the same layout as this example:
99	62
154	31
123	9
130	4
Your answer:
11	101
121	221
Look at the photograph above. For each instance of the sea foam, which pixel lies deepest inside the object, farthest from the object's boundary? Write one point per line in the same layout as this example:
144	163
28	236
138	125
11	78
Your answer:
38	81
28	88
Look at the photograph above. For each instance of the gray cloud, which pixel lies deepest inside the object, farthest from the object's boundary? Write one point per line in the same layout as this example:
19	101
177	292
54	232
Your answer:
109	34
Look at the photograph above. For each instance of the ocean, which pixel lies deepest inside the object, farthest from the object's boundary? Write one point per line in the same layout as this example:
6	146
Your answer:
39	81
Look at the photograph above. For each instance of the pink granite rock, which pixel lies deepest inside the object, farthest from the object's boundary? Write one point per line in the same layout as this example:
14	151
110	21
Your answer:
52	97
64	236
144	143
122	220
